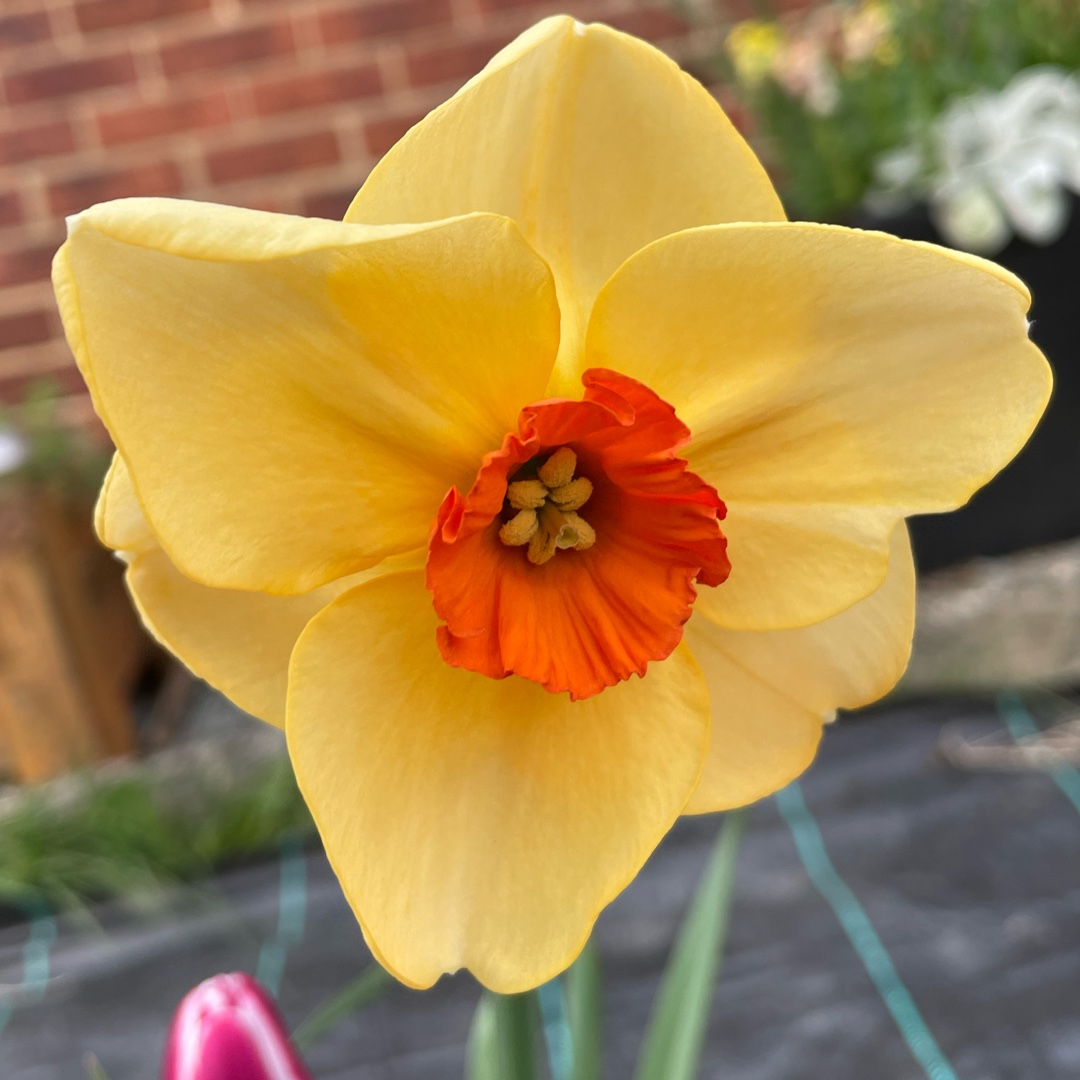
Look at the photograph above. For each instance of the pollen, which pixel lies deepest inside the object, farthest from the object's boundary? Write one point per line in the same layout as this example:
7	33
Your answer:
572	496
526	494
520	529
547	518
559	468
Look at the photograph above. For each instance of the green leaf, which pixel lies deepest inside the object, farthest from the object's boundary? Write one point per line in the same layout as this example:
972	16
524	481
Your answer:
676	1032
482	1051
584	1014
502	1041
360	992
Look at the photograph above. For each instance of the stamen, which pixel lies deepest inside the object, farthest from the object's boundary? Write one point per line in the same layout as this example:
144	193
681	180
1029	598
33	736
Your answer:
547	519
586	534
558	525
541	547
572	496
519	529
526	494
559	468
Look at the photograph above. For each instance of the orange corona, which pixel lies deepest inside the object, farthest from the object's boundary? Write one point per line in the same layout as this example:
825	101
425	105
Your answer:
618	596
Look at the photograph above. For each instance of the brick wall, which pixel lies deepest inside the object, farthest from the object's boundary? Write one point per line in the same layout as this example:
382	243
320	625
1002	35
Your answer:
276	104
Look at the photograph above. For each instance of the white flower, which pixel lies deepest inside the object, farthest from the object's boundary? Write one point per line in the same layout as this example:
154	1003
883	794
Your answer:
1001	163
12	451
969	217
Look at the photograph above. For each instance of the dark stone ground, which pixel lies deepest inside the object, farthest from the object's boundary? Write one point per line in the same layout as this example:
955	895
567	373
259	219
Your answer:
971	879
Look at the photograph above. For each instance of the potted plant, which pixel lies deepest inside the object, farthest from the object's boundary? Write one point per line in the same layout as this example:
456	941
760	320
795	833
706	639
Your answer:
958	122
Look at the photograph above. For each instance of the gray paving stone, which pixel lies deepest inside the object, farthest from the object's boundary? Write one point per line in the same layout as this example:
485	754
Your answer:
972	880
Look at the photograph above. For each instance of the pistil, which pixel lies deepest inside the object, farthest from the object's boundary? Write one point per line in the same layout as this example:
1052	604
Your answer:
547	518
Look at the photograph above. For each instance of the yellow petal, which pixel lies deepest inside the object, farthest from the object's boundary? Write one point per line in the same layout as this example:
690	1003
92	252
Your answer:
239	642
118	518
475	822
594	142
793	563
293	398
834	381
772	691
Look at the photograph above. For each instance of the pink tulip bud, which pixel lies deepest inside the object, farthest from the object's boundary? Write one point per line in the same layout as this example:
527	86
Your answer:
228	1028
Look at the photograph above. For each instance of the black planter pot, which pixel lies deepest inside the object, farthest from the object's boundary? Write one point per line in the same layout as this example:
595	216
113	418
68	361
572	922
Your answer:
1036	500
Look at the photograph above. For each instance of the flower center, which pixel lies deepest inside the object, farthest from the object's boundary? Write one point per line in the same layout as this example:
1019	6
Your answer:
615	603
547	517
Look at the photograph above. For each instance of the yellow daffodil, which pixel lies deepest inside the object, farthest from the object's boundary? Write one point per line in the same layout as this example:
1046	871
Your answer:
438	488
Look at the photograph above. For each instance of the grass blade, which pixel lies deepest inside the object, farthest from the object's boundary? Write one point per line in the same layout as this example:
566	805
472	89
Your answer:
502	1042
676	1032
360	992
584	1002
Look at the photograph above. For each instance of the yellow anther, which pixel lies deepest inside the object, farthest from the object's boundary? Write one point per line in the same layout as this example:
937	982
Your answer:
526	494
572	496
559	468
519	529
541	547
585	533
546	518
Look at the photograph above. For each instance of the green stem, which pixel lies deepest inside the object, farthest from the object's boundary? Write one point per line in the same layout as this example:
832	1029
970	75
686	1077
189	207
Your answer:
516	1036
584	1014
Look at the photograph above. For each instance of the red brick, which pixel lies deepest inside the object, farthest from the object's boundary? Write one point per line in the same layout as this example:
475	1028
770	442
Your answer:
233	49
10	208
27	328
73	77
30	264
317	88
502	5
652	24
382	18
449	63
43	140
730	102
329	204
66	381
79	192
93	15
286	155
269	203
380	135
150	121
28	29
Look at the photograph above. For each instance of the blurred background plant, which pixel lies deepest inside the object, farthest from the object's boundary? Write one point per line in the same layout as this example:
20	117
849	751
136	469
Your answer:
835	88
132	838
38	449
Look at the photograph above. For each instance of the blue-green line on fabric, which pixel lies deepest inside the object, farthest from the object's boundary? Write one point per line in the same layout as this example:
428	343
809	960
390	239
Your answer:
292	914
36	962
557	1038
860	931
1021	726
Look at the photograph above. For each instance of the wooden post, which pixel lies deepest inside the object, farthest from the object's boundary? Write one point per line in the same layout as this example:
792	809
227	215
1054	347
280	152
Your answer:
70	645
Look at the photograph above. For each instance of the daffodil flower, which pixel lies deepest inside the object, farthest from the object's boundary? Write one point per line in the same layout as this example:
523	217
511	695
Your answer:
442	488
